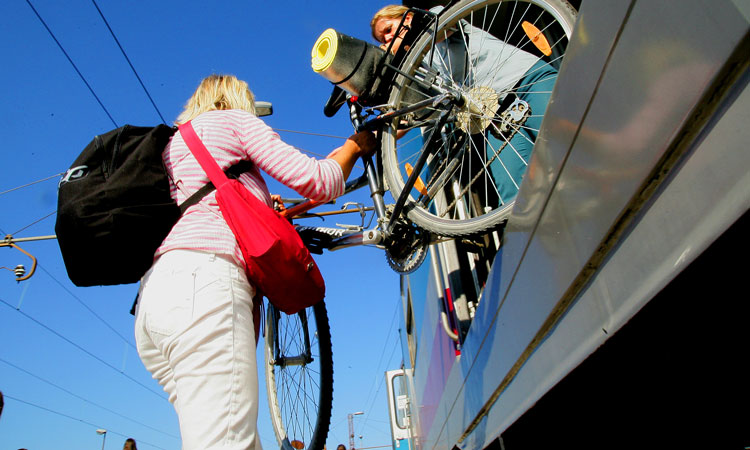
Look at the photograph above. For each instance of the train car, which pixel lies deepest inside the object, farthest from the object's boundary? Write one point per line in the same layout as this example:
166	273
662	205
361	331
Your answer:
611	311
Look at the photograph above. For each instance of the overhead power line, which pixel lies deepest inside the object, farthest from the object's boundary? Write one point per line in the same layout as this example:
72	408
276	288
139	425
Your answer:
85	399
309	133
10	240
83	349
368	409
135	72
100	318
35	222
72	63
32	183
75	418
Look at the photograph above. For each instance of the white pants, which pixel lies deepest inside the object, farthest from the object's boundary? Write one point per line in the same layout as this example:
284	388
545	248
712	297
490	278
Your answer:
194	332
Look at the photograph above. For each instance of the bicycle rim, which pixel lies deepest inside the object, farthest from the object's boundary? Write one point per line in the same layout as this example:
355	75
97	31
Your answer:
469	183
299	382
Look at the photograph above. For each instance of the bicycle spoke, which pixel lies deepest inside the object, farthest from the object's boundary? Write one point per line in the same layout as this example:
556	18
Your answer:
298	383
501	58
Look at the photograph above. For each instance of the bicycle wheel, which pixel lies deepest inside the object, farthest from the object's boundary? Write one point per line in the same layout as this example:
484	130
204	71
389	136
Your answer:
502	58
299	376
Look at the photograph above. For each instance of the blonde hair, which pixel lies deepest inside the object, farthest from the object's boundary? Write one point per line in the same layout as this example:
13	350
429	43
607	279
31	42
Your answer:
387	12
218	92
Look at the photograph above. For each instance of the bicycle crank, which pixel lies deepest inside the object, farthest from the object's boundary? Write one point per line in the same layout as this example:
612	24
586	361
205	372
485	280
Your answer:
406	248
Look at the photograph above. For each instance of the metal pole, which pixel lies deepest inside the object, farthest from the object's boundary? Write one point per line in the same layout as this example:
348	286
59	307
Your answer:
350	417
103	432
351	431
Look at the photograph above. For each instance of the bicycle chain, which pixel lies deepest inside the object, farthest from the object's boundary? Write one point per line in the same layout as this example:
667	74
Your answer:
407	252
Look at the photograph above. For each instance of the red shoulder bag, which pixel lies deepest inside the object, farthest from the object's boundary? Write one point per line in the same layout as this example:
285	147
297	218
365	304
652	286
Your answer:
276	260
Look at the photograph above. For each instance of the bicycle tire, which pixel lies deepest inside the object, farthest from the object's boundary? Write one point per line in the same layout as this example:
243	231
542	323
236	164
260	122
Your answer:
463	184
300	393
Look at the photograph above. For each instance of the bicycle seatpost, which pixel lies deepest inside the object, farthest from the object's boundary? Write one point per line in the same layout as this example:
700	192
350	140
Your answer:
376	189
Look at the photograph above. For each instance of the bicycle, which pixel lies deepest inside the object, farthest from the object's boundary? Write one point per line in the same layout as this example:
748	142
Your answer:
447	138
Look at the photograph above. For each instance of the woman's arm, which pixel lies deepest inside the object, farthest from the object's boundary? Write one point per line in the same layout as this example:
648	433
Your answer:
358	145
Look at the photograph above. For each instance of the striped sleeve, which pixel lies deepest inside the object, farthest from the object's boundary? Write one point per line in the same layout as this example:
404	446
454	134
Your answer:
310	177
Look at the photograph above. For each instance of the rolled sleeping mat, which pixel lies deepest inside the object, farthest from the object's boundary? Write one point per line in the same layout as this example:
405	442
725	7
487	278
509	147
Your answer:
345	61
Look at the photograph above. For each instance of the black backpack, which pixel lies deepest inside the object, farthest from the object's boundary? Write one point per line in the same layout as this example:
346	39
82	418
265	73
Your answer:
114	207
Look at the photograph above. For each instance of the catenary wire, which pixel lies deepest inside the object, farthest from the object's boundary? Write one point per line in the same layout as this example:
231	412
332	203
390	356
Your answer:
61	173
314	134
123	338
52	35
135	72
82	349
35	222
71	62
377	391
380	359
309	133
32	183
84	399
140	441
107	112
378	370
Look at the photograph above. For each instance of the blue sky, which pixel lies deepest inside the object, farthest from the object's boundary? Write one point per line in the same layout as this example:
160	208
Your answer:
67	360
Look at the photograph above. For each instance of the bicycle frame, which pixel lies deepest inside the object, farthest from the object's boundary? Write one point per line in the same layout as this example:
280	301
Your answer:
373	179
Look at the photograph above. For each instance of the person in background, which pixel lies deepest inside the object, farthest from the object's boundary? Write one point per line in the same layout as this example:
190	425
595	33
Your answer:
194	318
341	447
129	444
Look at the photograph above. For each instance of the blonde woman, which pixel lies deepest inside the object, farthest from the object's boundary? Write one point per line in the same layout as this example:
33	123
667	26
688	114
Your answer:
194	321
385	23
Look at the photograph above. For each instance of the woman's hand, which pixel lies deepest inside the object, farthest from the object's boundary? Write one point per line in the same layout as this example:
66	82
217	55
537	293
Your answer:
358	145
366	142
278	204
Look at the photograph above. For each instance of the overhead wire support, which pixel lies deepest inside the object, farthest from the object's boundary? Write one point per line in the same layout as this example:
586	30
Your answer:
21	275
135	72
20	270
71	62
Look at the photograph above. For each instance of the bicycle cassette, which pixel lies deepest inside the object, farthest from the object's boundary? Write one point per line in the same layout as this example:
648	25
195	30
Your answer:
478	111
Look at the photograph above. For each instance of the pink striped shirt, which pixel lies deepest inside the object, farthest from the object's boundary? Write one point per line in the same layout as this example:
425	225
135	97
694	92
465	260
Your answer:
232	136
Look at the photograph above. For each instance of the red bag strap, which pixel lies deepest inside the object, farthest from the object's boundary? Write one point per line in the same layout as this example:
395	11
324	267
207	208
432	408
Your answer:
199	150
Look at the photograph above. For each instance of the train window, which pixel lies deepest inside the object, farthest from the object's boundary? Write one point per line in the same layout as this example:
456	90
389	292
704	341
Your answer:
401	401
